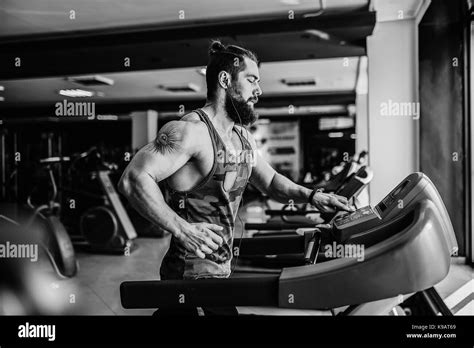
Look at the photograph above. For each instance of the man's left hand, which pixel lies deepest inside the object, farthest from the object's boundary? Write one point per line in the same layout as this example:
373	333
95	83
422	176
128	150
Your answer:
330	203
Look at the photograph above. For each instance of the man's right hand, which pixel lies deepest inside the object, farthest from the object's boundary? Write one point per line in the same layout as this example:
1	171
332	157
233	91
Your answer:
201	238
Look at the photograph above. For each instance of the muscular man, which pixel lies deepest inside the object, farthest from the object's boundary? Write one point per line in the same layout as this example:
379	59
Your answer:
205	161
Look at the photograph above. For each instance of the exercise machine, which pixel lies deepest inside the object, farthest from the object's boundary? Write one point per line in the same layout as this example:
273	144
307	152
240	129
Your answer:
99	215
407	240
289	225
339	174
351	178
54	238
289	218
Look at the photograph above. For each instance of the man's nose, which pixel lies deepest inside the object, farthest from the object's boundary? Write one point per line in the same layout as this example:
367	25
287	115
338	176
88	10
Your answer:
258	91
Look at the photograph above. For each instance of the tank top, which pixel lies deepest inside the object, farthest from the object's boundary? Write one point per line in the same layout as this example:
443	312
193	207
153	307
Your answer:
215	200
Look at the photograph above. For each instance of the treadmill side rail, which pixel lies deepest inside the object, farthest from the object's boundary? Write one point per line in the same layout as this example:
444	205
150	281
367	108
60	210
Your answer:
252	291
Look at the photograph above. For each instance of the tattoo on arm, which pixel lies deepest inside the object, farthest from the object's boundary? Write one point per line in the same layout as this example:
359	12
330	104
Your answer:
167	140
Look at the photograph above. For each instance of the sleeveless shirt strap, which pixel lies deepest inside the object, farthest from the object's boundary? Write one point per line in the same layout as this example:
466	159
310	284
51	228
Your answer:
243	139
202	115
212	131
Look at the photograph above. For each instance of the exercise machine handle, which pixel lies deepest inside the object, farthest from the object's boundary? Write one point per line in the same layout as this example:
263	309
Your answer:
312	250
246	291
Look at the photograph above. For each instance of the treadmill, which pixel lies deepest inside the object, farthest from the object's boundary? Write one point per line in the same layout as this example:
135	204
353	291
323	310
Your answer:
407	240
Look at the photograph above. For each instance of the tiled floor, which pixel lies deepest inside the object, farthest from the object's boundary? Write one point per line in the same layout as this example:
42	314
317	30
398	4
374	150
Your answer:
100	276
96	287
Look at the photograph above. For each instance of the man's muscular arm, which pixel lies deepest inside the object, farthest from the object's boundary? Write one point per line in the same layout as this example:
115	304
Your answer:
176	143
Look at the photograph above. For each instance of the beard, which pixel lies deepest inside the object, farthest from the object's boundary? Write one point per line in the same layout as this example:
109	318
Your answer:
239	110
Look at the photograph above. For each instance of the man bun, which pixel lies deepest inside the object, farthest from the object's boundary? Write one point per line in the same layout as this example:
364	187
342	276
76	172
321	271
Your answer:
216	47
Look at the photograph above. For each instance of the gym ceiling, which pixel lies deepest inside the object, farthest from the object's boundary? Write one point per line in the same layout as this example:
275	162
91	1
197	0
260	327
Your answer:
166	42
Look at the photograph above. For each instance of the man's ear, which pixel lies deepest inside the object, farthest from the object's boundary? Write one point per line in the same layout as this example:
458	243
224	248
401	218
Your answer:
224	79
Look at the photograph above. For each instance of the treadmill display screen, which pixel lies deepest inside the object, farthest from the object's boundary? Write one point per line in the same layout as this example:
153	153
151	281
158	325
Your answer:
391	197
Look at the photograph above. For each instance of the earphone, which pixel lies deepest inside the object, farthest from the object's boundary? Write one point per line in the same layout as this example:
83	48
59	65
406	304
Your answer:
227	82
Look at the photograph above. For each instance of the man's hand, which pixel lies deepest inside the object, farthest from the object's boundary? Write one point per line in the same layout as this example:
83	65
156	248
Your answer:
201	238
330	203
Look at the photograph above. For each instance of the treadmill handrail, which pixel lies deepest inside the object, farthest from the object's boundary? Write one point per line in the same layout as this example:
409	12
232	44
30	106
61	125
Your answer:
416	257
244	291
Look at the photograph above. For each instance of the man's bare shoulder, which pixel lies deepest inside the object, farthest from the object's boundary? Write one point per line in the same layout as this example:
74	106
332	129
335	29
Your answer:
192	125
191	117
183	135
194	128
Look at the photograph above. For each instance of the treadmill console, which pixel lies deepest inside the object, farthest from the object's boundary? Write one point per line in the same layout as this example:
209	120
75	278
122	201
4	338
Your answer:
402	196
362	215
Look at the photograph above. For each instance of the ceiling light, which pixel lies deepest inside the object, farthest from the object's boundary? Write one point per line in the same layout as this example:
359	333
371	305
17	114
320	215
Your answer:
316	33
190	87
107	117
335	135
313	14
76	93
299	81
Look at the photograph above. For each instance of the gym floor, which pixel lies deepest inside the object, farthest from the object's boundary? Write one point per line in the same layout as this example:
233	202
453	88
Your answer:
97	283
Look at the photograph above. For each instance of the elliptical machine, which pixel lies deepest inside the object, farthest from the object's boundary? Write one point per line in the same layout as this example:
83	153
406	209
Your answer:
100	220
53	237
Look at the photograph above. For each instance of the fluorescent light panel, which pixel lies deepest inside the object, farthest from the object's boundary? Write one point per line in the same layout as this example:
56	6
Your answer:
76	93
